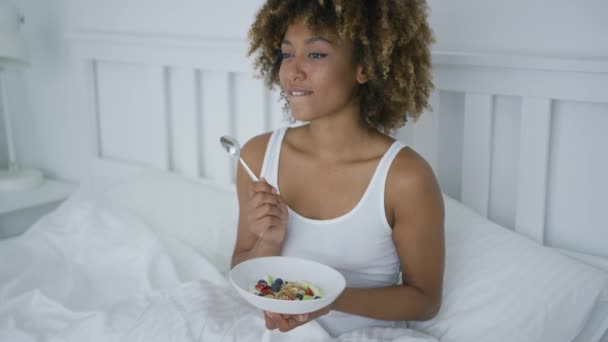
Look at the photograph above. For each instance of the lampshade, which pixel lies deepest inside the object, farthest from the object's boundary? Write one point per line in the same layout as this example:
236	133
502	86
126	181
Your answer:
13	49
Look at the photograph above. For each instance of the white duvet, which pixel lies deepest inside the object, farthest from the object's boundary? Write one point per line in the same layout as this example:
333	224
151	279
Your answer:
91	272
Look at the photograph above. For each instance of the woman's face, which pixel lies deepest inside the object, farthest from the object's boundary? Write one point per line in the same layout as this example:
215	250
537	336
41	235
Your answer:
318	73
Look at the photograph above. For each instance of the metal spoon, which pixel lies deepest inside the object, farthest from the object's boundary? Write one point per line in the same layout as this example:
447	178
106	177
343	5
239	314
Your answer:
234	150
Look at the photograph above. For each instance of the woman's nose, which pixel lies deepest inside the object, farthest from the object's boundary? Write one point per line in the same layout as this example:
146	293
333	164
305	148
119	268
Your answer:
295	71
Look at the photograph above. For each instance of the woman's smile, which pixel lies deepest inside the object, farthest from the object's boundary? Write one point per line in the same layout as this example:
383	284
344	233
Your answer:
298	93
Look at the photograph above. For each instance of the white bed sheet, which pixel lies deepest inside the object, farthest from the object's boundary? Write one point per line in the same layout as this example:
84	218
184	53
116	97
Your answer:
93	268
91	272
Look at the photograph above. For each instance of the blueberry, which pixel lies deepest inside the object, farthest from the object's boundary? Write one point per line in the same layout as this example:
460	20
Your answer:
262	282
299	296
316	297
276	286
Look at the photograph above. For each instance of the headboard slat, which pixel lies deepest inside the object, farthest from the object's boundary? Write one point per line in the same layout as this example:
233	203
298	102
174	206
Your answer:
275	108
215	123
573	86
250	107
88	78
477	149
426	133
183	124
532	169
158	111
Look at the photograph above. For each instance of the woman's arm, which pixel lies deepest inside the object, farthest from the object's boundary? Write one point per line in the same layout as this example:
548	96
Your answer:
262	212
416	204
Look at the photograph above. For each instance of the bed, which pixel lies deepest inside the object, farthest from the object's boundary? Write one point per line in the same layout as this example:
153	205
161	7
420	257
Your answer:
141	251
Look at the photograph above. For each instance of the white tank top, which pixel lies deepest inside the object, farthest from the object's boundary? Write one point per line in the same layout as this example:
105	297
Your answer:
358	244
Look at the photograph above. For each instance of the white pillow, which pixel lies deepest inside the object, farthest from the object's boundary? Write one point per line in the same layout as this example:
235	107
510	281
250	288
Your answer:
198	212
597	325
500	286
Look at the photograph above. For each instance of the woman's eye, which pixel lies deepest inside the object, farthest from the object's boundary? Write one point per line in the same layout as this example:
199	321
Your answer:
312	55
316	55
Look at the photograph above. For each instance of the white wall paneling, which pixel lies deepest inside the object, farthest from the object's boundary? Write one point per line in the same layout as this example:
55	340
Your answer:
165	102
557	28
492	137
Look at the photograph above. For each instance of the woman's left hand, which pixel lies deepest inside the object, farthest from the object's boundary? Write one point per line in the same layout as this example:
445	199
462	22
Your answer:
286	322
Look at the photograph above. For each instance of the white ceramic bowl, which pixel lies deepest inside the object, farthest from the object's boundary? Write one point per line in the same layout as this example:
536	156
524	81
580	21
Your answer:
245	276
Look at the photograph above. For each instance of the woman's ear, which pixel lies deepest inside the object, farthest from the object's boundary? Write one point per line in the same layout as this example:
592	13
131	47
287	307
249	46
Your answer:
361	75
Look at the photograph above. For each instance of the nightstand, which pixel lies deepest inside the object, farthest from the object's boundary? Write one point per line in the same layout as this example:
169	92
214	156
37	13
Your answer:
20	209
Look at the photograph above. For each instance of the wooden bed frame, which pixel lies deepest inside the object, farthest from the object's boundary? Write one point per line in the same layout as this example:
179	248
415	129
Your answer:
163	102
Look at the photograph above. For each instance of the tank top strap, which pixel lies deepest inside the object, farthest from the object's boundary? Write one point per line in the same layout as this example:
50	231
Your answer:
270	166
379	180
387	160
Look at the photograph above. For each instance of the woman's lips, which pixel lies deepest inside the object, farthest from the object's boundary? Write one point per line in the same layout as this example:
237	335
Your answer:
298	92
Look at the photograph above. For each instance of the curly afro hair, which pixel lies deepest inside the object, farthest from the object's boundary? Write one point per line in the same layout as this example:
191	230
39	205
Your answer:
391	41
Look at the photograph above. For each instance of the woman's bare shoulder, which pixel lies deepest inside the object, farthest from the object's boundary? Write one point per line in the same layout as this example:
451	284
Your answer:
410	177
253	151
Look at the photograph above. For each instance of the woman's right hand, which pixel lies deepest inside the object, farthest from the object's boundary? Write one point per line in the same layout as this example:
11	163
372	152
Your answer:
266	213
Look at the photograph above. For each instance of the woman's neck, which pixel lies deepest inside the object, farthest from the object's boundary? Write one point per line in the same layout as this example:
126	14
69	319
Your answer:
338	137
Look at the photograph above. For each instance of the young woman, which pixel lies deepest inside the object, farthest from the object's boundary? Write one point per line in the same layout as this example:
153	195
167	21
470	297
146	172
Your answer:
338	189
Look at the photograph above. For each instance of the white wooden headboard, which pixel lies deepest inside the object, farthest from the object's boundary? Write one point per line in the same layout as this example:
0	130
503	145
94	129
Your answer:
519	139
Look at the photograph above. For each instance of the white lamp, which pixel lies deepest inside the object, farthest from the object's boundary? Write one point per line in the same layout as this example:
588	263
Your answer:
13	53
